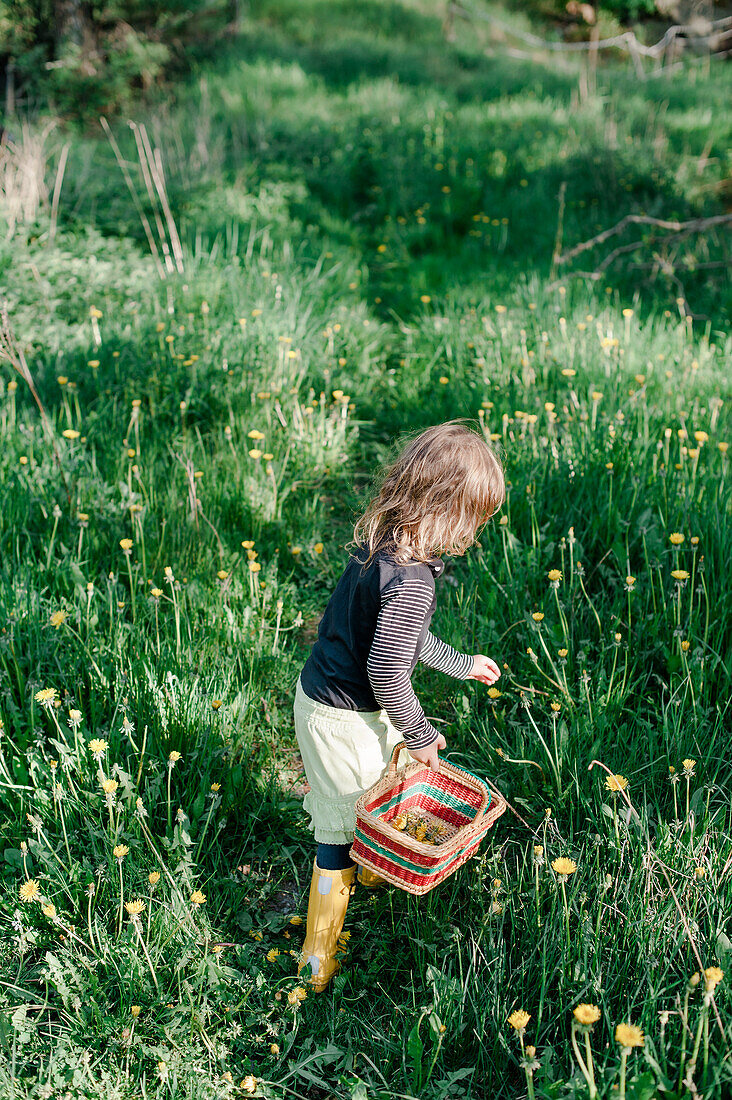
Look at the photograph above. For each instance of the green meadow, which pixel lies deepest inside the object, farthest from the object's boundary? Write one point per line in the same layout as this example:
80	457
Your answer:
341	227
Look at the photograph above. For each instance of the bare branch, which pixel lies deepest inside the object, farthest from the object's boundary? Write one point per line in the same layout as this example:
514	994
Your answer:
695	225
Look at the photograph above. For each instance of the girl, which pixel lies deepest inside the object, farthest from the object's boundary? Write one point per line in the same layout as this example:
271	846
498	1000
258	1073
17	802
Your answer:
354	700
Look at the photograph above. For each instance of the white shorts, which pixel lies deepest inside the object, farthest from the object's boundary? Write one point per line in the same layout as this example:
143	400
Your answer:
344	752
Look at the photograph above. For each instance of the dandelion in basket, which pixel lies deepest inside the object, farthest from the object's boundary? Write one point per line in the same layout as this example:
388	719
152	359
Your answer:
357	679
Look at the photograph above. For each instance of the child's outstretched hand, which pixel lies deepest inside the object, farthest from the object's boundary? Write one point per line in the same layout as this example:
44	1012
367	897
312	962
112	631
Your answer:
484	669
428	755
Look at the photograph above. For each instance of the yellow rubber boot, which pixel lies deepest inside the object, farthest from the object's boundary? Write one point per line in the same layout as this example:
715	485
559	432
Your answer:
369	878
329	894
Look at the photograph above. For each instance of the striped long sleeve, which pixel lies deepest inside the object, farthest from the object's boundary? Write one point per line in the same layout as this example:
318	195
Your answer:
438	654
399	625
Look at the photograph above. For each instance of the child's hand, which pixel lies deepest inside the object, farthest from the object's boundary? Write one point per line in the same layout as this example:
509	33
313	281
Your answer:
484	669
428	755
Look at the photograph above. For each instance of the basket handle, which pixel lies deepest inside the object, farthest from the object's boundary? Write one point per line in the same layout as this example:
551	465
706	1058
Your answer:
395	758
483	807
393	764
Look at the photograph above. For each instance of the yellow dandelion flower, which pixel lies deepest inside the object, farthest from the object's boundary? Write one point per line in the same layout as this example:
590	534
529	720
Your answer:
126	544
215	787
120	851
700	872
688	765
29	891
156	593
96	745
494	693
564	866
255	434
135	1011
248	544
676	538
586	1015
109	786
58	618
425	299
273	954
554	575
537	616
274	1049
70	433
249	1084
679	574
174	757
701	437
197	898
216	704
222	574
628	1035
49	911
630	581
254	566
134	908
723	447
686	645
556	707
296	920
562	652
154	878
616	783
46	696
519	1019
712	977
318	548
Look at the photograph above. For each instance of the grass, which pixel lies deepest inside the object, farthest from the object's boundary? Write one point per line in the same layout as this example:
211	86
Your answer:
335	295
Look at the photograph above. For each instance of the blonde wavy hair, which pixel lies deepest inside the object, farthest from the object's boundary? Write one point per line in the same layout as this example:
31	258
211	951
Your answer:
434	498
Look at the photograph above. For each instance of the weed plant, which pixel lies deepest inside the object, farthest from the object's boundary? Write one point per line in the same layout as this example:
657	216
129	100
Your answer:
362	258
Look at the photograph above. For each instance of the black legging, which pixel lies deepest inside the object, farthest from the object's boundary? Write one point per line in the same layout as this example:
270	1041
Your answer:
334	857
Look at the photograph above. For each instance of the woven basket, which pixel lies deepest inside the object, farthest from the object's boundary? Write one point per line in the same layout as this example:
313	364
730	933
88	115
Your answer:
459	803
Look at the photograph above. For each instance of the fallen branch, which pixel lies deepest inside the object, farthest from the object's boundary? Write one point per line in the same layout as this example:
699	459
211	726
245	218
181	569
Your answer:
695	225
627	40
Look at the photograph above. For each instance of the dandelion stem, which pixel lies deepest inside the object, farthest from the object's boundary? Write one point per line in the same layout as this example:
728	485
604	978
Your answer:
590	1066
580	1062
63	826
88	917
612	676
566	912
56	518
691	1064
623	1060
170	772
565	628
684	1032
592	606
132	585
138	930
121	898
211	809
